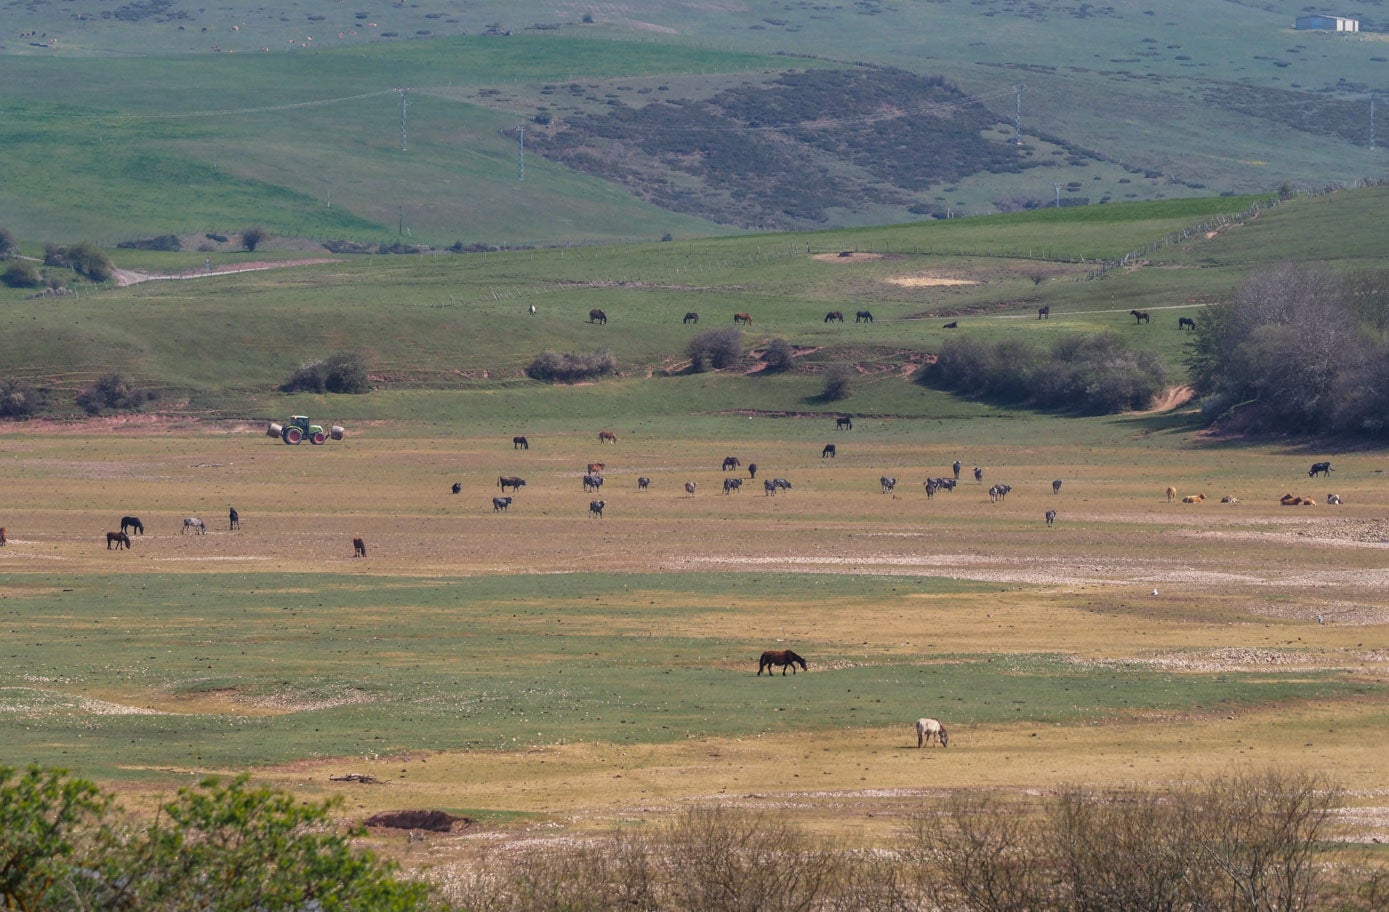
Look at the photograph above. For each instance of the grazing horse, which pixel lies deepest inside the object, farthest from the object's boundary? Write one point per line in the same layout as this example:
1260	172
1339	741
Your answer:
834	315
690	487
1139	316
1323	468
783	657
829	450
691	317
233	519
197	525
499	504
926	729
359	548
730	485
1056	486
457	487
953	324
888	484
1051	517
595	508
843	423
1044	312
510	481
752	470
597	316
863	316
955	467
520	443
133	524
607	437
120	539
730	462
742	319
643	482
1186	323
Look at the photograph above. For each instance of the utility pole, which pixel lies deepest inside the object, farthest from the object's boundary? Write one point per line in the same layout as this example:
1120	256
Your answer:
1057	187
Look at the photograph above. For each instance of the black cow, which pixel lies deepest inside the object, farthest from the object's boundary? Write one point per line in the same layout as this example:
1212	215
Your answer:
1319	468
500	504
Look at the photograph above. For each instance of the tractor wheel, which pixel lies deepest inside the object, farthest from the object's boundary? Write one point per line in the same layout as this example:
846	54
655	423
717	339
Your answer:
293	435
319	438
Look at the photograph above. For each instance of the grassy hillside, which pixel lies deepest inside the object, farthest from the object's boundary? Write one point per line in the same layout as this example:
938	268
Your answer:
222	343
157	118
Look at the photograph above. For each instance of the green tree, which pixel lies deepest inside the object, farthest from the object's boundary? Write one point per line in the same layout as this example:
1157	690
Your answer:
21	274
8	246
251	238
717	349
777	355
46	821
839	383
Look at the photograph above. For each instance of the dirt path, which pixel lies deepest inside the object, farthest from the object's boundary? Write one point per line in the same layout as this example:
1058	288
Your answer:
125	277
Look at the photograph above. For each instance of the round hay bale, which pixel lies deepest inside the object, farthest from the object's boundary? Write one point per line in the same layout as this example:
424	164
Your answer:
337	432
274	430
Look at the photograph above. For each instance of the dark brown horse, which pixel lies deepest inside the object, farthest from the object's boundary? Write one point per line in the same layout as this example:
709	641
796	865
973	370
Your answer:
1139	316
520	443
834	316
607	437
597	316
783	657
742	318
119	539
1044	312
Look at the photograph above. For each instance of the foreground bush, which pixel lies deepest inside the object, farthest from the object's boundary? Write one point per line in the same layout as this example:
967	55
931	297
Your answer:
570	367
344	372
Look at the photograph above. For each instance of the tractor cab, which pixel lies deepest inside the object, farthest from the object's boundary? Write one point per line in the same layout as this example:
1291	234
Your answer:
298	429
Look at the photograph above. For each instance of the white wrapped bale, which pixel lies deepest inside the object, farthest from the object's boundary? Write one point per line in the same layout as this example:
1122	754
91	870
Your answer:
337	432
274	430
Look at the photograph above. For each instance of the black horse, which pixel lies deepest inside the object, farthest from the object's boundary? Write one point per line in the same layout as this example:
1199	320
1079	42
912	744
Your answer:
132	524
233	518
1139	316
783	657
1186	323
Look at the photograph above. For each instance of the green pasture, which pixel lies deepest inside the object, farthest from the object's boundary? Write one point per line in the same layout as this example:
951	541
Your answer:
128	675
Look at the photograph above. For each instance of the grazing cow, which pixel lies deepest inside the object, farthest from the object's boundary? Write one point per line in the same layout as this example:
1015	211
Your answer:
643	482
132	524
955	467
730	485
195	524
596	468
597	316
730	462
1186	323
520	443
691	317
887	484
690	487
998	492
1171	493
456	487
752	470
829	450
863	316
592	483
1139	316
607	437
1193	498
783	657
1044	312
595	508
1319	468
926	729
844	423
120	539
932	486
499	504
510	481
1051	517
742	319
233	519
1334	499
359	548
978	475
1056	486
1229	499
953	324
834	316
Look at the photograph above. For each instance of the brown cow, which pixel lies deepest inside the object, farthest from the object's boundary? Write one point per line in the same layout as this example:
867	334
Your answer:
1193	498
595	468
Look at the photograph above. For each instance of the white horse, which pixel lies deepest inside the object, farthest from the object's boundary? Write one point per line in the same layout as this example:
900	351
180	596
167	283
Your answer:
928	728
195	524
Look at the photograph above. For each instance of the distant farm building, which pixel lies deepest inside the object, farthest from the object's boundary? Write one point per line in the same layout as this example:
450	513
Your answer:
1327	23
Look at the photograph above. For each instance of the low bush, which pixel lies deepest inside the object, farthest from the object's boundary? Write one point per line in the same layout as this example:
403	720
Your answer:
569	367
251	238
344	372
715	349
161	242
19	399
113	393
777	356
839	383
21	274
85	259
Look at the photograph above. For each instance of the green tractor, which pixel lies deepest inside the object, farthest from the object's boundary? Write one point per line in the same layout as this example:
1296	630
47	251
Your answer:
297	429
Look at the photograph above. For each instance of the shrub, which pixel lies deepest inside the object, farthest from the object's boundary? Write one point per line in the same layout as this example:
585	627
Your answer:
715	348
839	383
777	355
569	367
113	393
8	246
343	372
18	399
85	258
251	238
160	242
21	274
